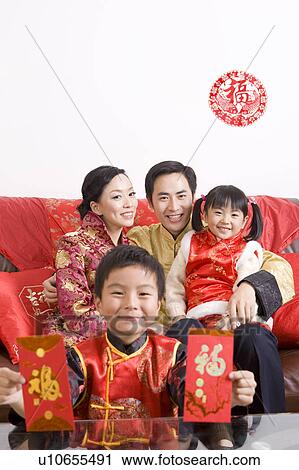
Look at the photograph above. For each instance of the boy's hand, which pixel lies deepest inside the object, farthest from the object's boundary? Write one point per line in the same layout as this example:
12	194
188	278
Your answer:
10	386
50	291
243	387
242	305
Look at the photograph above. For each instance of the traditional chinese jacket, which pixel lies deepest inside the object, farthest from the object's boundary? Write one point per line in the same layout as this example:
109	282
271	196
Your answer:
123	384
145	379
78	256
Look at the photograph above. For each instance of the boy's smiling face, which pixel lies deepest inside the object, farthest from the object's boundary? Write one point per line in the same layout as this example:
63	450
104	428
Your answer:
129	301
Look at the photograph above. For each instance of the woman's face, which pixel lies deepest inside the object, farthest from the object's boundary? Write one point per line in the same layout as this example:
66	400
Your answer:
117	203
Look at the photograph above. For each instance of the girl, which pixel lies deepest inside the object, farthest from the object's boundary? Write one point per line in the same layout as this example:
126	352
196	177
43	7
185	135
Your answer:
213	260
108	204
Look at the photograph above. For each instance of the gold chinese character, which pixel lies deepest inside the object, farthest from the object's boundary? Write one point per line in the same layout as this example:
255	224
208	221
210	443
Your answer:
214	365
44	385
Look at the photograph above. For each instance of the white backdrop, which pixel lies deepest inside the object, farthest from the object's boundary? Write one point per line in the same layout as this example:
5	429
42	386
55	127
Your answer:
139	72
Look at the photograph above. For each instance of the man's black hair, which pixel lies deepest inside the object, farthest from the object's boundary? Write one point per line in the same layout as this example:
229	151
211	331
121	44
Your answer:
166	168
127	255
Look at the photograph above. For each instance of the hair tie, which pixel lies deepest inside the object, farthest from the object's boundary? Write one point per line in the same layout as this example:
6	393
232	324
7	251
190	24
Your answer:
252	200
203	197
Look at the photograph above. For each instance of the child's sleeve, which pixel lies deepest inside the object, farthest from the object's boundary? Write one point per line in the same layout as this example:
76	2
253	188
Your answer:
76	376
176	390
175	281
249	262
176	379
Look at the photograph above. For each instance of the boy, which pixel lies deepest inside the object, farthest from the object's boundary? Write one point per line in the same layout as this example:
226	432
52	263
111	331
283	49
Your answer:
129	372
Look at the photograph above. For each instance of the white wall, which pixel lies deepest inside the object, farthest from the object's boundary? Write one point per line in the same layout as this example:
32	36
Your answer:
140	72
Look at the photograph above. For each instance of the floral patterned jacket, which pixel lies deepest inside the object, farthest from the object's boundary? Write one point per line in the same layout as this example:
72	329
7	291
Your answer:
78	256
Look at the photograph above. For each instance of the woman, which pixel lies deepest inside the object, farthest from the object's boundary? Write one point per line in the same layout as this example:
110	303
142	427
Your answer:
108	205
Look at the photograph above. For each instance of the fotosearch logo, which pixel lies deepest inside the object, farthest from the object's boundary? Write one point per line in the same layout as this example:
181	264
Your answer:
179	329
238	98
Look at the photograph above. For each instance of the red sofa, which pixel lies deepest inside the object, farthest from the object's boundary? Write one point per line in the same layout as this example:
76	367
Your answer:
31	227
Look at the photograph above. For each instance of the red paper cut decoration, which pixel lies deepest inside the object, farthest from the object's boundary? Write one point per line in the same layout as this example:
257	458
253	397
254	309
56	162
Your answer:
238	98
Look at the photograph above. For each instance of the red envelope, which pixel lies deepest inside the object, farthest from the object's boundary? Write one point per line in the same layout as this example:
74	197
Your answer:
46	393
208	390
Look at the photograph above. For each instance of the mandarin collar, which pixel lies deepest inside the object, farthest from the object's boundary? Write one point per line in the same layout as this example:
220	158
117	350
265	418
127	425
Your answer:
168	235
91	219
126	348
230	241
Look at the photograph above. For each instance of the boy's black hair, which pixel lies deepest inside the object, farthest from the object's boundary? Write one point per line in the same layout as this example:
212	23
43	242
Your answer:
94	184
128	255
221	196
166	168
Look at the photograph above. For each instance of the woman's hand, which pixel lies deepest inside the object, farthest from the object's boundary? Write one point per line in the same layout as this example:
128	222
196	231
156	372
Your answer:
243	387
50	291
242	305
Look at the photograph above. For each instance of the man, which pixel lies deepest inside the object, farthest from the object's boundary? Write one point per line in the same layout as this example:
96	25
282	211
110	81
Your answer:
170	187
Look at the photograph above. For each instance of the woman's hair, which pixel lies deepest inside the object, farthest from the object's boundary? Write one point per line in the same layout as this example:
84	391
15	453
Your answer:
222	196
94	184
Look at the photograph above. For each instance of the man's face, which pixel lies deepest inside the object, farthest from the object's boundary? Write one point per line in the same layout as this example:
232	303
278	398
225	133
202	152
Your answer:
172	202
129	302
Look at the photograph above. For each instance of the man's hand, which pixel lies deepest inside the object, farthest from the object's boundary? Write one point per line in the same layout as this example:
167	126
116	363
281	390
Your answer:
242	305
243	387
50	291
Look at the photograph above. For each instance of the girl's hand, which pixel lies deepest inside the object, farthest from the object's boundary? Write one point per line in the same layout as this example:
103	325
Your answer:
242	305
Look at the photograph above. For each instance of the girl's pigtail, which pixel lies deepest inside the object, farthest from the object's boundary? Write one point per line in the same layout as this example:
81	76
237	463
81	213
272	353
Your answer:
196	216
256	227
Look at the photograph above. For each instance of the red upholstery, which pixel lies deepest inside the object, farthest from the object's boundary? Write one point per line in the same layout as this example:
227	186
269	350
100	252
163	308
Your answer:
24	233
281	222
62	218
22	306
286	319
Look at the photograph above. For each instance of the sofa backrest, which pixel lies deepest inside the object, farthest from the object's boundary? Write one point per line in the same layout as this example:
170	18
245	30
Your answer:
31	227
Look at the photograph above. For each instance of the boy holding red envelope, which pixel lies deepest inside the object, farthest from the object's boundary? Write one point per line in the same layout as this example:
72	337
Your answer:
129	372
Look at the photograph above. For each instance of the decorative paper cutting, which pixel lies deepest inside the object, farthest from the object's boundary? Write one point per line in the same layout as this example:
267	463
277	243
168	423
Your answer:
238	98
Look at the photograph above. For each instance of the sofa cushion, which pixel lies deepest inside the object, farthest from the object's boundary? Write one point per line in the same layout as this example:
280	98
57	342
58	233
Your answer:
24	233
63	217
286	324
281	222
22	306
